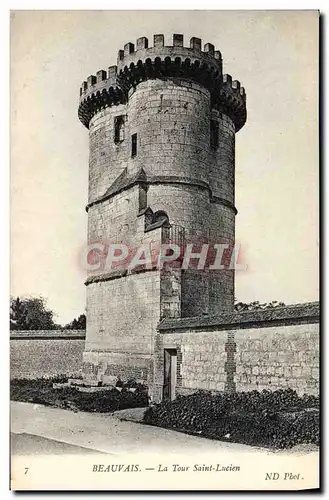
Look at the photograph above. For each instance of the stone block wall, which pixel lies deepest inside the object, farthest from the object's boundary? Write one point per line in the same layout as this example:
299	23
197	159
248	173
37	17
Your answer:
122	315
222	212
221	281
222	174
186	205
172	120
41	353
270	349
266	349
201	358
110	366
278	357
114	220
107	158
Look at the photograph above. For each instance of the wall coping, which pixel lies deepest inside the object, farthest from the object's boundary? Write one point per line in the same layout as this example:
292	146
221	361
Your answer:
309	312
47	334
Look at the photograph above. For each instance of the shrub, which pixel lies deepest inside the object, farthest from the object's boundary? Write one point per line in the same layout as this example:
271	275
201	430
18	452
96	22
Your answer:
279	418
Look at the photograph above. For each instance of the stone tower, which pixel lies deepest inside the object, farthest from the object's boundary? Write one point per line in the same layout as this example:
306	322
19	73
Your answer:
162	127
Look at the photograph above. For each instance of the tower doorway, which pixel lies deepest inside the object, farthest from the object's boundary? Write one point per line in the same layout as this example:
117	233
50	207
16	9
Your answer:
170	374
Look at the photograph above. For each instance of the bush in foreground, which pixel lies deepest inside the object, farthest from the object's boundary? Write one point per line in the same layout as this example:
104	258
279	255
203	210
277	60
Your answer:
278	419
41	391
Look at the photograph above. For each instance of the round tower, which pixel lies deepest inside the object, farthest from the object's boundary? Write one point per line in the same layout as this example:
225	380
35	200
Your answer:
162	127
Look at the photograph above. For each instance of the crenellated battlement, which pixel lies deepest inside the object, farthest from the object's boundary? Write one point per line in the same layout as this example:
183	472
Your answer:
98	92
230	98
102	79
132	53
139	62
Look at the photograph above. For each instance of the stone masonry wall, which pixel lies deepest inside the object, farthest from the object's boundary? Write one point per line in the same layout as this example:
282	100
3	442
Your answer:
272	349
172	120
201	359
221	281
278	357
222	218
222	174
187	206
45	353
122	315
107	158
114	220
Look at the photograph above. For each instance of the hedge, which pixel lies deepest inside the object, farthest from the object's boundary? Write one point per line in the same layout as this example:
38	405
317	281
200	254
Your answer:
279	419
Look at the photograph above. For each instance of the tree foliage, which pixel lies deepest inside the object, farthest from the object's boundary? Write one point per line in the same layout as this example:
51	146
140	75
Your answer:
254	306
77	324
31	314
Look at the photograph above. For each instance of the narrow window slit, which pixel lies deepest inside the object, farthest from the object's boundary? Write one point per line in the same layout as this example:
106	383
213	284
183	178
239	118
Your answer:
134	145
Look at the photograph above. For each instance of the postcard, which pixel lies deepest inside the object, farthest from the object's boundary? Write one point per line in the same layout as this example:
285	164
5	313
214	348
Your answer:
164	310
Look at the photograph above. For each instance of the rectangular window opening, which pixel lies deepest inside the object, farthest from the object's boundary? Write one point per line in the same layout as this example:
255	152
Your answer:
134	145
214	133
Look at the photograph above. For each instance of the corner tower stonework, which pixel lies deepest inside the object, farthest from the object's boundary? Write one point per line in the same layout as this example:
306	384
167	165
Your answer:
162	127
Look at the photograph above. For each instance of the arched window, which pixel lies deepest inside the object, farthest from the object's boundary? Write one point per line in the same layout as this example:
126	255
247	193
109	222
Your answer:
119	129
142	197
160	216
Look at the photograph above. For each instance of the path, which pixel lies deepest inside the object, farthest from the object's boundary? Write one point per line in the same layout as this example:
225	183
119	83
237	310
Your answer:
102	432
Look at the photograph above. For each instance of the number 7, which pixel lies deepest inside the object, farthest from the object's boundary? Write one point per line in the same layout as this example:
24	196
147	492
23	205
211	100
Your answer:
26	470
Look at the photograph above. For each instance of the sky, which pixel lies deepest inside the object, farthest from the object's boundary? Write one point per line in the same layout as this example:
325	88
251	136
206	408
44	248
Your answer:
274	54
